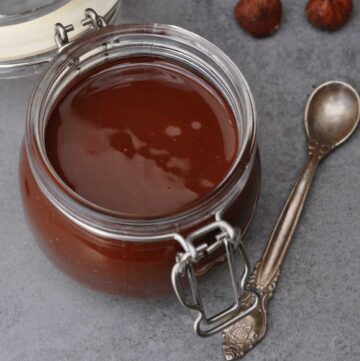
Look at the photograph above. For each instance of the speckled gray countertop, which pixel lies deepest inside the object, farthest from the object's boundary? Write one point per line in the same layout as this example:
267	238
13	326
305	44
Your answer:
44	316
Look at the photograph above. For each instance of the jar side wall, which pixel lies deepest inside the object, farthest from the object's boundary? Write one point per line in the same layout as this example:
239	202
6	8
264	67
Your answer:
114	266
241	211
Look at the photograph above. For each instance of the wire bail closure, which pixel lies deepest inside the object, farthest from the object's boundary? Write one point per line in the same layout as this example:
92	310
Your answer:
92	19
183	269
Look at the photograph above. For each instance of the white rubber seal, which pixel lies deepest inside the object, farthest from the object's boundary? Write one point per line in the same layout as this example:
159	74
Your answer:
34	37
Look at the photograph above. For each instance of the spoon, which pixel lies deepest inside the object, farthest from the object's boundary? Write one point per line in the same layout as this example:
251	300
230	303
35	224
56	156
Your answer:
331	116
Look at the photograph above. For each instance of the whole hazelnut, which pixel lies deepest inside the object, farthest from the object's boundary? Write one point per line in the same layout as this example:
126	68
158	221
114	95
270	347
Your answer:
329	14
259	17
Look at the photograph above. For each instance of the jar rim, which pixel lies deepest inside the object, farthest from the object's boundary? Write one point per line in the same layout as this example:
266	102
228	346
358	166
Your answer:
94	49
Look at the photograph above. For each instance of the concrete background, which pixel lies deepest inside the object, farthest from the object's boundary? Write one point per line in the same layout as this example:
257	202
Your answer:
44	316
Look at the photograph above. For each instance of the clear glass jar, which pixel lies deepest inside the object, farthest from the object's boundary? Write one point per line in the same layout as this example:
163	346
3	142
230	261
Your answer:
100	248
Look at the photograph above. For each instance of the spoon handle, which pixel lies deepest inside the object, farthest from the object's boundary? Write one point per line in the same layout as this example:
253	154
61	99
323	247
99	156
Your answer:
246	333
269	266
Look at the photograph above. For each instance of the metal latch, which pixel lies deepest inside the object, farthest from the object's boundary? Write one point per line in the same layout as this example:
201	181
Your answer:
183	270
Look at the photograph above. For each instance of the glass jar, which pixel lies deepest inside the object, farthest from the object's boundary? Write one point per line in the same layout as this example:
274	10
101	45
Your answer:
101	248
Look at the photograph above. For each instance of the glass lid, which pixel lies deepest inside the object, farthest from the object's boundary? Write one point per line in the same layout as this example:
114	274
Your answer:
27	29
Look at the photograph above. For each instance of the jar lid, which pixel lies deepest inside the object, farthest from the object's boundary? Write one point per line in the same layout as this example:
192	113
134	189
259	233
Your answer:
27	30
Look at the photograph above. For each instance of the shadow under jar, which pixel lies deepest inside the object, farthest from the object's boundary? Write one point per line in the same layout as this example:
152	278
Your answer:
118	227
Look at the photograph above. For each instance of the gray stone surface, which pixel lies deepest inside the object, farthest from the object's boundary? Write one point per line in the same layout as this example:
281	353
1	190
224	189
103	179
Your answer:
44	316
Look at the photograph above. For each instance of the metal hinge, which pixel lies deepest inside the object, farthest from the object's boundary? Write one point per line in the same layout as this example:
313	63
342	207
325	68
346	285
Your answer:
92	19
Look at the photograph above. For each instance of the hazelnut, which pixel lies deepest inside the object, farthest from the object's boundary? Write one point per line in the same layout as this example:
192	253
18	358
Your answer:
259	17
329	14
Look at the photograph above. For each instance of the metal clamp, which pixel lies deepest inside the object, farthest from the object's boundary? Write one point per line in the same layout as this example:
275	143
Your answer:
229	238
92	18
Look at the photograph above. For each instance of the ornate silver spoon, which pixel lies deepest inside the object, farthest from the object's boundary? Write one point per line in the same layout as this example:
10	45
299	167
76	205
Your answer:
331	116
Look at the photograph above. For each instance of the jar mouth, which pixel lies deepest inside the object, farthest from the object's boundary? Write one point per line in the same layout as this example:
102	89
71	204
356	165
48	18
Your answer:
124	41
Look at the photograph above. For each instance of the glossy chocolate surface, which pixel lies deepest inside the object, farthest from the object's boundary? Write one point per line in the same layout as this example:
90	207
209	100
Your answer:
144	137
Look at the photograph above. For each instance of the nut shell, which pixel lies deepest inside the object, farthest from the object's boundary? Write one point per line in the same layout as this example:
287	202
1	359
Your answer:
259	17
329	14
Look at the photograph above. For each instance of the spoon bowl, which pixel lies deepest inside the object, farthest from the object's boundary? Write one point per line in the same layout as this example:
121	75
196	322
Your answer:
332	114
